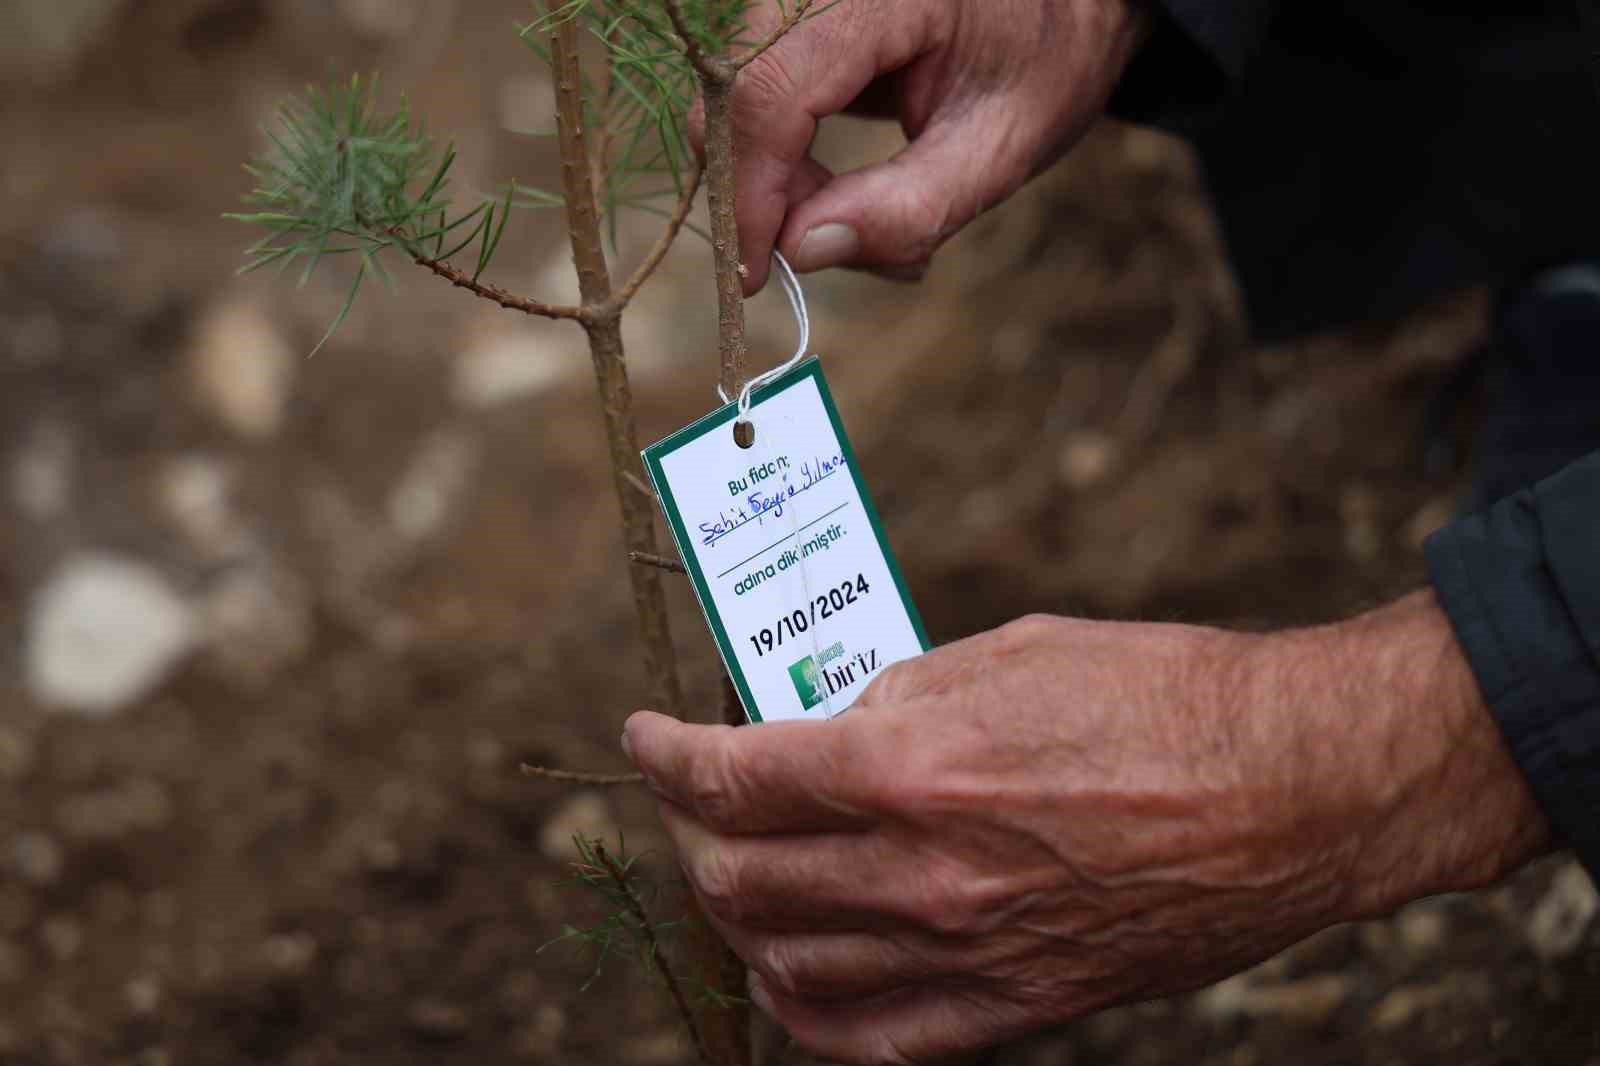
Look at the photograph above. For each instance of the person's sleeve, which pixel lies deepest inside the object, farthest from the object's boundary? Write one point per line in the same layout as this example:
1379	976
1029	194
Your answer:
1521	584
1196	55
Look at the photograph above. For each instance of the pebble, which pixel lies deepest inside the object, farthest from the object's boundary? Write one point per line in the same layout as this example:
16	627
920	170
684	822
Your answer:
1422	929
195	492
585	812
541	1037
432	486
1087	459
241	369
290	953
41	475
139	805
1310	1000
143	994
505	365
258	623
1561	920
438	1020
46	38
37	858
63	937
657	1049
102	634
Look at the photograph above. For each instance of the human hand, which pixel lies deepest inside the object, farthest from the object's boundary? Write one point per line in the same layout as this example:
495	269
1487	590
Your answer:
1060	816
988	91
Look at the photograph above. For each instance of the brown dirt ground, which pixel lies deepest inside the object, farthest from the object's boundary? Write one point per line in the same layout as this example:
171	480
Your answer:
320	851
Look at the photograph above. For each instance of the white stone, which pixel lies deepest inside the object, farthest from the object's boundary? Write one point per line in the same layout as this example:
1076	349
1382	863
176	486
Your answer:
242	369
257	622
1310	1000
381	19
586	813
102	633
195	492
41	475
432	486
1561	920
506	365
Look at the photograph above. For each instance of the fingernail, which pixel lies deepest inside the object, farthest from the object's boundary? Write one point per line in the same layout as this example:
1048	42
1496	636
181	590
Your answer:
826	246
759	995
627	747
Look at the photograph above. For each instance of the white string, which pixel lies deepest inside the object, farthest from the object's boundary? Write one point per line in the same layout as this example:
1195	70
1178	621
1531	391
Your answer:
797	304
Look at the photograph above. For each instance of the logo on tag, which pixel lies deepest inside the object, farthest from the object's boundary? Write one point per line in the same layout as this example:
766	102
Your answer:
807	681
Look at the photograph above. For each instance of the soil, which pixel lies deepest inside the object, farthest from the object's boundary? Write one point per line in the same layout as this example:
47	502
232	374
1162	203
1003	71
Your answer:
311	843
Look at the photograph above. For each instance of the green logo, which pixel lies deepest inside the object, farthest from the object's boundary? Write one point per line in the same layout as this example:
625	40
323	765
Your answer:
807	682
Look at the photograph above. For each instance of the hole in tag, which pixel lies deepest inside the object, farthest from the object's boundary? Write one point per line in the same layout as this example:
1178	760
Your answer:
744	434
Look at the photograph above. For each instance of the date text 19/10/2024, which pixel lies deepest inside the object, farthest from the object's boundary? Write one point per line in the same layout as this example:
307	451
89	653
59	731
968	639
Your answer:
836	600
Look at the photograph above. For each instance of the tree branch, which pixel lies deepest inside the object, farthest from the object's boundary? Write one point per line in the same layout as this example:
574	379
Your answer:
709	67
680	215
660	562
647	930
462	280
573	777
790	21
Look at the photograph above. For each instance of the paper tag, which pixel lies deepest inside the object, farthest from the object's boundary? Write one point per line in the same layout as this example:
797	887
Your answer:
786	552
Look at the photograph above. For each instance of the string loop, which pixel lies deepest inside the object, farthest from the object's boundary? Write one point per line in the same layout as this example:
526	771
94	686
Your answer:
802	317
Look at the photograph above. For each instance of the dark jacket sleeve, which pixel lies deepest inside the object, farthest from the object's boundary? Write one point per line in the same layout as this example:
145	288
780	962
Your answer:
1521	584
1196	55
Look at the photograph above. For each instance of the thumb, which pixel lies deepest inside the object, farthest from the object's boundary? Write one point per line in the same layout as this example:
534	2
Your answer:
892	217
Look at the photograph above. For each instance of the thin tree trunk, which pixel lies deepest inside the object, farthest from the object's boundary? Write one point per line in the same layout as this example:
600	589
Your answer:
611	370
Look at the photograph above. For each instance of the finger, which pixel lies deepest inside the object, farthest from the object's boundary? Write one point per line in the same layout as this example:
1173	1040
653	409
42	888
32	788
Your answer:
800	883
785	777
911	1026
824	968
816	70
893	216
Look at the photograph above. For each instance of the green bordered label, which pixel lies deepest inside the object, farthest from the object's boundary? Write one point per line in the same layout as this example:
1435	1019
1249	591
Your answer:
786	551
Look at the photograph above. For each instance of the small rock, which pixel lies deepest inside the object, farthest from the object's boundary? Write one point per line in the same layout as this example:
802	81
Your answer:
1422	929
437	1020
143	994
1561	920
1402	1005
242	369
1429	519
140	805
38	339
195	492
16	754
290	953
380	19
506	365
1087	459
63	937
541	1037
258	623
432	486
45	40
41	476
662	1048
37	858
1311	1000
586	812
102	634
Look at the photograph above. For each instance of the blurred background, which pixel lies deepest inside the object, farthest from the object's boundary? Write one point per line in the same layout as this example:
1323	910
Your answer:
276	632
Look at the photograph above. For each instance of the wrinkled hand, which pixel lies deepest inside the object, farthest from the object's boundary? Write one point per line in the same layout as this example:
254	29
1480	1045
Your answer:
988	91
1058	816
